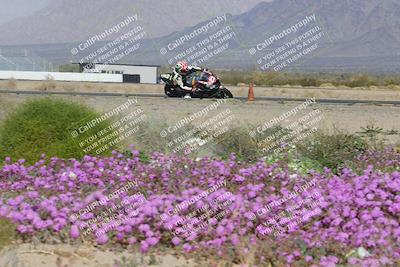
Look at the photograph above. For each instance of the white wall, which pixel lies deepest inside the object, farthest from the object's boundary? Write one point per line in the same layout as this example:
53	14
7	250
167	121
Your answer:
61	76
148	74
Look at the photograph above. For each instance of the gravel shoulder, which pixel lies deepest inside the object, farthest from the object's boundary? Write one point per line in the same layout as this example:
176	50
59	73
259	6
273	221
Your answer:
161	111
373	93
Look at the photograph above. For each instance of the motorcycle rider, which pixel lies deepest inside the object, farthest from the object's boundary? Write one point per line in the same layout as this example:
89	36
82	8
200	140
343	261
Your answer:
181	70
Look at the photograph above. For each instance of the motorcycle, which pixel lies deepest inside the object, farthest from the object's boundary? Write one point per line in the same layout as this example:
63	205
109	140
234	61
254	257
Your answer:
206	84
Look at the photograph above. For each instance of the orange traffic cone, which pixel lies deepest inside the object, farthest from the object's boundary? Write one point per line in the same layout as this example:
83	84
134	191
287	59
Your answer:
250	96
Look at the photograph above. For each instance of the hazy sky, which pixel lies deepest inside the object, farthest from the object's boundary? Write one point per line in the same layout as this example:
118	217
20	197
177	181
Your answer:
10	9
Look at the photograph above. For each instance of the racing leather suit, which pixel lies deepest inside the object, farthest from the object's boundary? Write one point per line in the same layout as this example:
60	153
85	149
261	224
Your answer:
178	77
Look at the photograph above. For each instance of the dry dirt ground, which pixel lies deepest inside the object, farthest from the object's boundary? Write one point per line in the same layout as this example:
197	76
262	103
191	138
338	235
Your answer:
375	93
29	255
168	111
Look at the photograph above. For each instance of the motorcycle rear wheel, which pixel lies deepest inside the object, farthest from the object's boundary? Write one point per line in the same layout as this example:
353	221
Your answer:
169	91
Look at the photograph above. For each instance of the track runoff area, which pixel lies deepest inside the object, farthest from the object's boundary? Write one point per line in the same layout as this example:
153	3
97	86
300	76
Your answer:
262	98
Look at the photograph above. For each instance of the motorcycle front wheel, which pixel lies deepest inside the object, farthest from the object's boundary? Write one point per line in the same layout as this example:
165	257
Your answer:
226	93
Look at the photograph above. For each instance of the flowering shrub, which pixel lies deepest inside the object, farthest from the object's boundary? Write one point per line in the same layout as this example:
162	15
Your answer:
355	219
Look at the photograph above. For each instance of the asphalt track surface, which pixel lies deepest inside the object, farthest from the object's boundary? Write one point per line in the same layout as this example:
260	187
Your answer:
277	99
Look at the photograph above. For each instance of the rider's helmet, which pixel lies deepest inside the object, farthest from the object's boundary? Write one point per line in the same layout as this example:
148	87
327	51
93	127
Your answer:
181	67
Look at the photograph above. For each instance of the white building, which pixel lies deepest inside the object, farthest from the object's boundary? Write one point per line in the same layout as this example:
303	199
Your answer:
60	76
130	73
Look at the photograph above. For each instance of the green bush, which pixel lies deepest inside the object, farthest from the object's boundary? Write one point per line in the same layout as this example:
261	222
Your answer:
149	139
315	152
45	126
361	81
69	68
308	81
7	233
332	150
238	141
